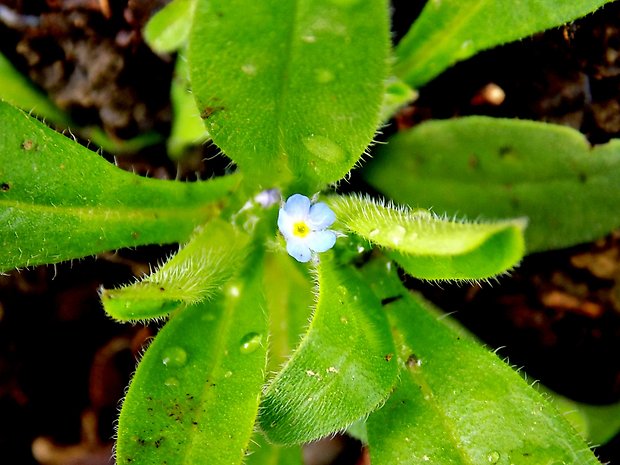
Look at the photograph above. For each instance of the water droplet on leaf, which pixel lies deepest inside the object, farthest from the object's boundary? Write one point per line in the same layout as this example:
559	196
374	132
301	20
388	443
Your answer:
174	357
250	342
323	76
325	149
396	234
493	457
171	382
249	69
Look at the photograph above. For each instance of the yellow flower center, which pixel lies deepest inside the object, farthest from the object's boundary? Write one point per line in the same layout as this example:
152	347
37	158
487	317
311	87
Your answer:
301	229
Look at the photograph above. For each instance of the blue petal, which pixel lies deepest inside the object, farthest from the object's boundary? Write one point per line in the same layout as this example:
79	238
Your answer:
298	250
321	216
320	241
285	223
297	206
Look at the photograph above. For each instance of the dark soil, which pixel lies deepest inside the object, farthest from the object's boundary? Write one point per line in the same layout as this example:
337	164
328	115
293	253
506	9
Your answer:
64	364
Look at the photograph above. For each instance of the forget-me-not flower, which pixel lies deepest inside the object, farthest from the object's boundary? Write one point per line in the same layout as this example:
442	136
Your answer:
304	226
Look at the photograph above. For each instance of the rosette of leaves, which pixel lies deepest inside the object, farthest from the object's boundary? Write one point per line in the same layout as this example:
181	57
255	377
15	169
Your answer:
261	354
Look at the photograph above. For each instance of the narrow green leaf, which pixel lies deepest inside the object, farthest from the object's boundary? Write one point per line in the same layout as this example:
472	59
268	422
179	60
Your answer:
343	368
187	126
288	288
264	453
458	403
430	247
168	30
195	273
498	168
18	90
397	95
596	423
290	88
194	397
60	201
448	31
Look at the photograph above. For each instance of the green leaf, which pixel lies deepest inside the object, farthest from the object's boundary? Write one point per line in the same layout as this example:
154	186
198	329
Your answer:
397	95
596	423
60	201
18	90
187	126
498	168
168	29
290	88
458	403
194	397
288	288
431	247
195	273
343	368
264	453
448	31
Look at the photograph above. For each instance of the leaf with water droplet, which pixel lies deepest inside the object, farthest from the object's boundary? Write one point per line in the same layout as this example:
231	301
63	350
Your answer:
431	247
502	168
185	404
340	372
195	273
305	80
462	403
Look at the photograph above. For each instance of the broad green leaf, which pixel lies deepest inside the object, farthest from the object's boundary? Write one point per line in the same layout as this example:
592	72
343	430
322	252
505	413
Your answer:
195	273
264	453
343	368
448	31
18	90
168	29
60	201
194	397
458	403
498	168
187	126
430	247
291	90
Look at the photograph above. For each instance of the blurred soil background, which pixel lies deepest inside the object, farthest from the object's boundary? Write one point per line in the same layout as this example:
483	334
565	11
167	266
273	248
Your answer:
64	365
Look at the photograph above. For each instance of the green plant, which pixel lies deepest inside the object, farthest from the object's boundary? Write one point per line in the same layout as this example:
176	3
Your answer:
293	92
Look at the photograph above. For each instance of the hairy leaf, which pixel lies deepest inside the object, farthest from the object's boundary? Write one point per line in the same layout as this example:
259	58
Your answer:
498	168
431	247
195	273
458	403
60	201
342	369
194	397
448	31
291	90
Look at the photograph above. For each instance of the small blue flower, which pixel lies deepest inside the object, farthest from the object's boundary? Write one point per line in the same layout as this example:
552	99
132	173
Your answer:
304	226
